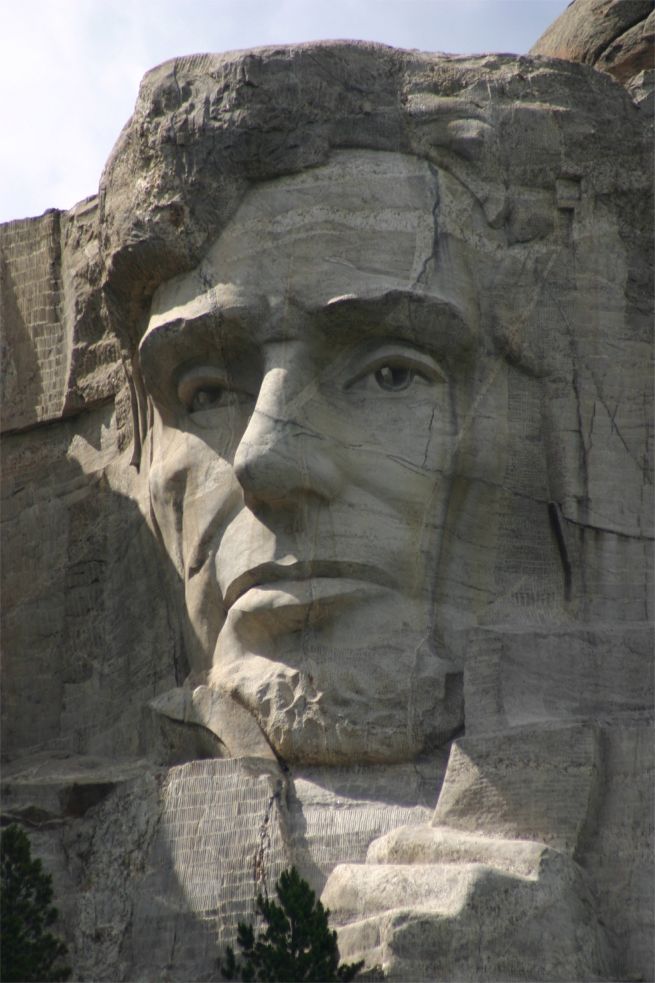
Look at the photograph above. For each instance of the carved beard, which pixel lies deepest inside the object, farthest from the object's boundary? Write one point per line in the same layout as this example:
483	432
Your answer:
342	706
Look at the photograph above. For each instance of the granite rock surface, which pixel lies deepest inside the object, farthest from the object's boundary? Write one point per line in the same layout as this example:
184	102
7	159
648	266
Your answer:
352	570
612	35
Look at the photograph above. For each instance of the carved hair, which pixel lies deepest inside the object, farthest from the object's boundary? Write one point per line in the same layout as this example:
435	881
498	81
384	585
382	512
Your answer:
206	127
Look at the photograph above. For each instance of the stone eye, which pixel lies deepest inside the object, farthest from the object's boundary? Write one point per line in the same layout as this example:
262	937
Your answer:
205	398
394	378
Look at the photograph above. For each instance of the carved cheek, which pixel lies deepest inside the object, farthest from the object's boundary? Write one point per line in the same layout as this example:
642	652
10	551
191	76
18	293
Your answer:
191	491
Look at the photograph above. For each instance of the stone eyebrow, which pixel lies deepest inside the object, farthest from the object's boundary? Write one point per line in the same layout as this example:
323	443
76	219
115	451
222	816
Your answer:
440	323
170	329
172	342
392	298
224	309
173	329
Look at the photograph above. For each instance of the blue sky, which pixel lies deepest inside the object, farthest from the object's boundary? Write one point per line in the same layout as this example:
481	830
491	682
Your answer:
70	69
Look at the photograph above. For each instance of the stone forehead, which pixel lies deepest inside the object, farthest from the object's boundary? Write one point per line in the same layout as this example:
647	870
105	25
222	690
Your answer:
376	209
364	224
392	186
207	128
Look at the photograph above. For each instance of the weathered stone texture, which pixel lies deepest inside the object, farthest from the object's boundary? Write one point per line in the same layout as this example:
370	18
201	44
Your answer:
75	643
463	767
464	921
35	344
615	36
513	787
559	674
155	866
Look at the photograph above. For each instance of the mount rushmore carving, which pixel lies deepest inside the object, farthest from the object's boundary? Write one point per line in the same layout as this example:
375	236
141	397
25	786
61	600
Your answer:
327	474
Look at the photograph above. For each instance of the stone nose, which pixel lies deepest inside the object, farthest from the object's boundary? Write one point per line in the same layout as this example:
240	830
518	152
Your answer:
284	455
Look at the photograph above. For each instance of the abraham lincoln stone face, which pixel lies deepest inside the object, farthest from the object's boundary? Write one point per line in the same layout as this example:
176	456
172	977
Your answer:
310	378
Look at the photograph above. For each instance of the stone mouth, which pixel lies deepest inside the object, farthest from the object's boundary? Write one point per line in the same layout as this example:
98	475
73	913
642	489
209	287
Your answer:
273	572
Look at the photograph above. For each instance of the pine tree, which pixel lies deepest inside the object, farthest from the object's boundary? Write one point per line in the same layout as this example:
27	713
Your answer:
27	951
297	944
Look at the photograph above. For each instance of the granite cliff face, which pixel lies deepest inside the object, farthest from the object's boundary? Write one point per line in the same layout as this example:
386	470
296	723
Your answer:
611	35
326	477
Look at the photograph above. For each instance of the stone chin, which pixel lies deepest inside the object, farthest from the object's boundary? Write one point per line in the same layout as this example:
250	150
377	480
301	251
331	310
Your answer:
373	716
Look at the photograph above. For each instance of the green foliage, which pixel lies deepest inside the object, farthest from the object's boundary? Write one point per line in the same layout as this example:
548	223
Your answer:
28	952
297	943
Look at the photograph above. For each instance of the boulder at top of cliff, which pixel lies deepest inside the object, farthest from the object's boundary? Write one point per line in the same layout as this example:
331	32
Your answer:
615	36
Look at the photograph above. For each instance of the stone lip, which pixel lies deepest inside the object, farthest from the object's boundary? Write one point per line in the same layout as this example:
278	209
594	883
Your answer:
266	574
